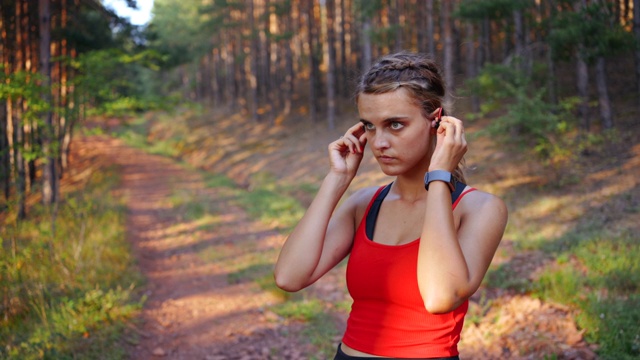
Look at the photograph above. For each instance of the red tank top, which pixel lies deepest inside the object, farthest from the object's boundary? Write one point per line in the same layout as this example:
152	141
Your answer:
388	317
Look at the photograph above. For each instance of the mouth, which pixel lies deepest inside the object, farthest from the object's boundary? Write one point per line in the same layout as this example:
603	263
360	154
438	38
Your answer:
385	159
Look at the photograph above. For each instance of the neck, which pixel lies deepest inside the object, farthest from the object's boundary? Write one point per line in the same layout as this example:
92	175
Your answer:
410	186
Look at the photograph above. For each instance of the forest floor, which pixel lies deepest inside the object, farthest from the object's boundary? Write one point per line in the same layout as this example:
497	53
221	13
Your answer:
193	311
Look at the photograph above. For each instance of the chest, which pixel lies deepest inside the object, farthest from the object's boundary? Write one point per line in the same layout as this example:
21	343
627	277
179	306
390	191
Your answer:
399	223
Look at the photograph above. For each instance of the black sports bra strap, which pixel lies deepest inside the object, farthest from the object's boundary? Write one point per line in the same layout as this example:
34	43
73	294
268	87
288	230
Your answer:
372	215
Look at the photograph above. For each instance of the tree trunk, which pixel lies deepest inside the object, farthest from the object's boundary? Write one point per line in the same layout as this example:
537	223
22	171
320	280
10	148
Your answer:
518	34
636	32
367	50
421	25
448	51
253	80
394	21
430	29
582	80
329	6
603	93
472	69
343	83
49	178
552	83
5	170
313	62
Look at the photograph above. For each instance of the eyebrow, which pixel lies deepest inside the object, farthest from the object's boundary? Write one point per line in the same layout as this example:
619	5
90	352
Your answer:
387	120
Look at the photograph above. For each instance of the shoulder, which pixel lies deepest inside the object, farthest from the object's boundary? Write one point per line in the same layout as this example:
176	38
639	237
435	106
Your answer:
362	197
482	204
359	200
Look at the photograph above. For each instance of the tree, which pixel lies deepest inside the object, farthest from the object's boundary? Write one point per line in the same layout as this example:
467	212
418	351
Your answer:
49	181
328	25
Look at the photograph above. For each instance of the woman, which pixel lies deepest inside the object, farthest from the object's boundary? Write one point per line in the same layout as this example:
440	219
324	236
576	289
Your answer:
420	246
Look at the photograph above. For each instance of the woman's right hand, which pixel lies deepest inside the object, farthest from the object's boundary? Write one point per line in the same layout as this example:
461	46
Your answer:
346	153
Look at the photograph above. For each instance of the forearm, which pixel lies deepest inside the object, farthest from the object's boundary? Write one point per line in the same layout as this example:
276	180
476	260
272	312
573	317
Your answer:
443	273
302	251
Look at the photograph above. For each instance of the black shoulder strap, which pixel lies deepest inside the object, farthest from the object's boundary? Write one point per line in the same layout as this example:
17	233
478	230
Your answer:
372	215
457	192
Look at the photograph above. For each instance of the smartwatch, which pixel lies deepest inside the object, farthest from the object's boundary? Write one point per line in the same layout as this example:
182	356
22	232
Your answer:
439	175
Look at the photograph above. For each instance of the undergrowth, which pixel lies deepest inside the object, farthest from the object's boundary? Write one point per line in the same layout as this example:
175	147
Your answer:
66	292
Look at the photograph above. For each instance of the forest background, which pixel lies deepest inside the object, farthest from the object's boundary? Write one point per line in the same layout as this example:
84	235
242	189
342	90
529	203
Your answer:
545	85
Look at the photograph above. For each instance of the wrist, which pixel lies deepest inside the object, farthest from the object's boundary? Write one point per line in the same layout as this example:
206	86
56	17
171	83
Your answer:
442	176
337	180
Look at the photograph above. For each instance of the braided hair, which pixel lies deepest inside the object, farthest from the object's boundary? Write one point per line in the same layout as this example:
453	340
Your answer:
418	74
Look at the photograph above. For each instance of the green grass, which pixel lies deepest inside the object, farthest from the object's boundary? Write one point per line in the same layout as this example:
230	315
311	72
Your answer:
66	292
321	328
596	272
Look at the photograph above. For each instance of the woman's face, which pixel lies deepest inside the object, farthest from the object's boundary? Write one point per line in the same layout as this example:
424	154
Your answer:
398	133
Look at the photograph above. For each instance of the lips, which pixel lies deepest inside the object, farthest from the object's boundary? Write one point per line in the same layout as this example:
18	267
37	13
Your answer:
385	159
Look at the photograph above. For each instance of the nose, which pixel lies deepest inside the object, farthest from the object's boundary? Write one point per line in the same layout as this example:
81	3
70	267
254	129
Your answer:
380	141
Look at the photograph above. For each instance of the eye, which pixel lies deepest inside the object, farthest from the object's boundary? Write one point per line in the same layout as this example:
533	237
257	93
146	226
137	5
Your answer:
369	126
396	125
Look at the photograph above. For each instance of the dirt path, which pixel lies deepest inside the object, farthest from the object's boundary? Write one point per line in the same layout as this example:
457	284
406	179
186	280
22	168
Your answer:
192	312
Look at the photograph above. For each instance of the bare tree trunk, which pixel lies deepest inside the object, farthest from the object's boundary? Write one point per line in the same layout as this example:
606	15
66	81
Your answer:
472	65
421	25
18	129
5	164
430	29
329	6
289	71
552	84
367	50
219	77
394	21
49	178
518	34
268	66
603	93
343	82
582	79
313	63
448	51
253	81
636	32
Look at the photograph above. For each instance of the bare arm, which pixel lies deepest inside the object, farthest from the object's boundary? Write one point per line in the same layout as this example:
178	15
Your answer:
453	261
322	239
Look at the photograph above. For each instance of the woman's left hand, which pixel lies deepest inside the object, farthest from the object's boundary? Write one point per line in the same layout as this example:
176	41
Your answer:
451	144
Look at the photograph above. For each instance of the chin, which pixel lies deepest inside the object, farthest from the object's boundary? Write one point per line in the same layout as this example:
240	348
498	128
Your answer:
390	170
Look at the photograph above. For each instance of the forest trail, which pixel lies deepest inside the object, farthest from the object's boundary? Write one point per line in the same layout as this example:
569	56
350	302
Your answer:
191	311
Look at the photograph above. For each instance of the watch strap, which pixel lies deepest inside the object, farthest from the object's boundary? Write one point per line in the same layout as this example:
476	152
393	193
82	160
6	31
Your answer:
439	175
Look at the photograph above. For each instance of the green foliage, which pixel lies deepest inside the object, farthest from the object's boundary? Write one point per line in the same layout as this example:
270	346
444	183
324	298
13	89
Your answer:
529	122
367	8
176	30
66	291
110	80
592	32
491	9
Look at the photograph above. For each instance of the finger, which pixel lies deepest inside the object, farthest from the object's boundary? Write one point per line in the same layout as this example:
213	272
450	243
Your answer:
353	143
355	134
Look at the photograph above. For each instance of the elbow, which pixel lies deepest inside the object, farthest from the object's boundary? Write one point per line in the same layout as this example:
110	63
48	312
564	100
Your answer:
441	304
286	283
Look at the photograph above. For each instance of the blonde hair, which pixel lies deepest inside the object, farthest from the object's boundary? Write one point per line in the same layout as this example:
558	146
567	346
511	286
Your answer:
419	75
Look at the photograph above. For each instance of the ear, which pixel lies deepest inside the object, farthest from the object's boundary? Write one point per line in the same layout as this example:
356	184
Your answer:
435	118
